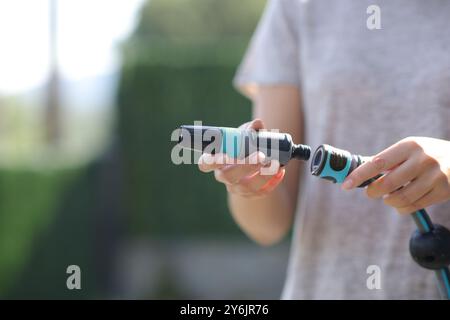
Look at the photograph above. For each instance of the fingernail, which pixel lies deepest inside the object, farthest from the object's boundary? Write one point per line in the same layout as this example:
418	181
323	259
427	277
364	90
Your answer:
348	184
279	174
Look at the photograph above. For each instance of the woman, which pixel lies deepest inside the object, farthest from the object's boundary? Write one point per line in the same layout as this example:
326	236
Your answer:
315	70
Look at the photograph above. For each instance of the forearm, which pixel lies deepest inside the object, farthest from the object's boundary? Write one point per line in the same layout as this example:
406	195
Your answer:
267	219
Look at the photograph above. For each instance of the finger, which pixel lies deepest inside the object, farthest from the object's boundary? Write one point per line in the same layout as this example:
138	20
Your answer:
394	179
272	184
412	192
432	197
234	173
380	163
256	124
257	185
208	162
261	183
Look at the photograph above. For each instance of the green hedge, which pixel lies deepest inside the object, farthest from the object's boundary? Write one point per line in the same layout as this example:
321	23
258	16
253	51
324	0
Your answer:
175	71
160	197
178	67
28	203
77	212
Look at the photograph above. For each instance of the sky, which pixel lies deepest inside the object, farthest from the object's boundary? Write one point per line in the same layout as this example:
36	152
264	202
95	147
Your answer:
89	32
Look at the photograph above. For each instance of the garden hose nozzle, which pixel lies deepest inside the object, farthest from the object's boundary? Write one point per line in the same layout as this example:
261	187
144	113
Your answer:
240	143
335	164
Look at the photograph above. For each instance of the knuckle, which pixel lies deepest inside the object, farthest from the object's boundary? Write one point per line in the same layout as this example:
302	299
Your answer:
413	146
379	163
387	184
370	193
403	199
442	179
220	176
407	209
428	162
411	142
393	201
417	205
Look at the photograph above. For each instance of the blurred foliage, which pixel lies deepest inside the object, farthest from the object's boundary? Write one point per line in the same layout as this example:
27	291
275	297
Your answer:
20	137
163	198
199	32
77	232
28	203
198	20
178	68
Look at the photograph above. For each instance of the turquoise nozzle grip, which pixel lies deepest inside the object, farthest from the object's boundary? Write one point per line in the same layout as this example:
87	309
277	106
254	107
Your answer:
335	164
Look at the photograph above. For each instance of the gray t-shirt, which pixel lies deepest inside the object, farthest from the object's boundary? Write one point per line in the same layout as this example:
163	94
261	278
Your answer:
362	90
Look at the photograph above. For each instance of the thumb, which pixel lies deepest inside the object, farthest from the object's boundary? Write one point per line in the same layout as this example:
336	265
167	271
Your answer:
256	124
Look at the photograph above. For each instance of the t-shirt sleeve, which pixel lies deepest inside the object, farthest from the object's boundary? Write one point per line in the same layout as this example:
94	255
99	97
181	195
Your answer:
272	57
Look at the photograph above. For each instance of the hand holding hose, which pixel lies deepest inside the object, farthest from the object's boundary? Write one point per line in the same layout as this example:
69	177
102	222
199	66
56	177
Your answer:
402	165
416	174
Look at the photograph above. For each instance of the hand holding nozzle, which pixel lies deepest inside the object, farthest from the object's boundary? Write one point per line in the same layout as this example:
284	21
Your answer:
262	156
239	143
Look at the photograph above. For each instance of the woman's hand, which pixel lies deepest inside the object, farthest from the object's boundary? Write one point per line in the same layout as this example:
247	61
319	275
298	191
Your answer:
416	174
246	180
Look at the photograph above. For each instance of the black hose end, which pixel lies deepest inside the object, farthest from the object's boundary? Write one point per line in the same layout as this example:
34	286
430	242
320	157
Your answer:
431	249
301	152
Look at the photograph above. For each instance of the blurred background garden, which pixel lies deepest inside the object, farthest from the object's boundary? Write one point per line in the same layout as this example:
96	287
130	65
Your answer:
90	92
